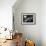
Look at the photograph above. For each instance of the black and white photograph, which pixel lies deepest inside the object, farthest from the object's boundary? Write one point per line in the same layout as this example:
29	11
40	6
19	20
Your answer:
28	18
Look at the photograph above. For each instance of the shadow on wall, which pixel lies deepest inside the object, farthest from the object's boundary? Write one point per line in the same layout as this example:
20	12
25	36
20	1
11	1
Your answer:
37	41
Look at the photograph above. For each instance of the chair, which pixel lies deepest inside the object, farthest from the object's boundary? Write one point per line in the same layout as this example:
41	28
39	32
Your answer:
18	39
29	43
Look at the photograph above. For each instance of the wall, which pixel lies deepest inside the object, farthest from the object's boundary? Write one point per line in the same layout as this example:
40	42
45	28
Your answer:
43	22
6	13
29	31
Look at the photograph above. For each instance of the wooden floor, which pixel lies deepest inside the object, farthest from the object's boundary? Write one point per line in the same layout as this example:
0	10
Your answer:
9	43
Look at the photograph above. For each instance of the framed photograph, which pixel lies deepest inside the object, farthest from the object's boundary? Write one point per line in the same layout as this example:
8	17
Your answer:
28	18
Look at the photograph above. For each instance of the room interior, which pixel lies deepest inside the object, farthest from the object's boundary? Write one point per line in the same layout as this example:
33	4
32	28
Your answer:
15	30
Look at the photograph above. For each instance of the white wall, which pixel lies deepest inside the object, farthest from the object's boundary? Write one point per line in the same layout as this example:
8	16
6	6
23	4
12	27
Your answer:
43	22
6	13
30	31
36	32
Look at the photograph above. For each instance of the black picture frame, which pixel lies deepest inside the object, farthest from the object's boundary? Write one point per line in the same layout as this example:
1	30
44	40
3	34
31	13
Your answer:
28	18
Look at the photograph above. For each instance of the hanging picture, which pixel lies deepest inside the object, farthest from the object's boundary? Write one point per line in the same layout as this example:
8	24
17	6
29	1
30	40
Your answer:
28	18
